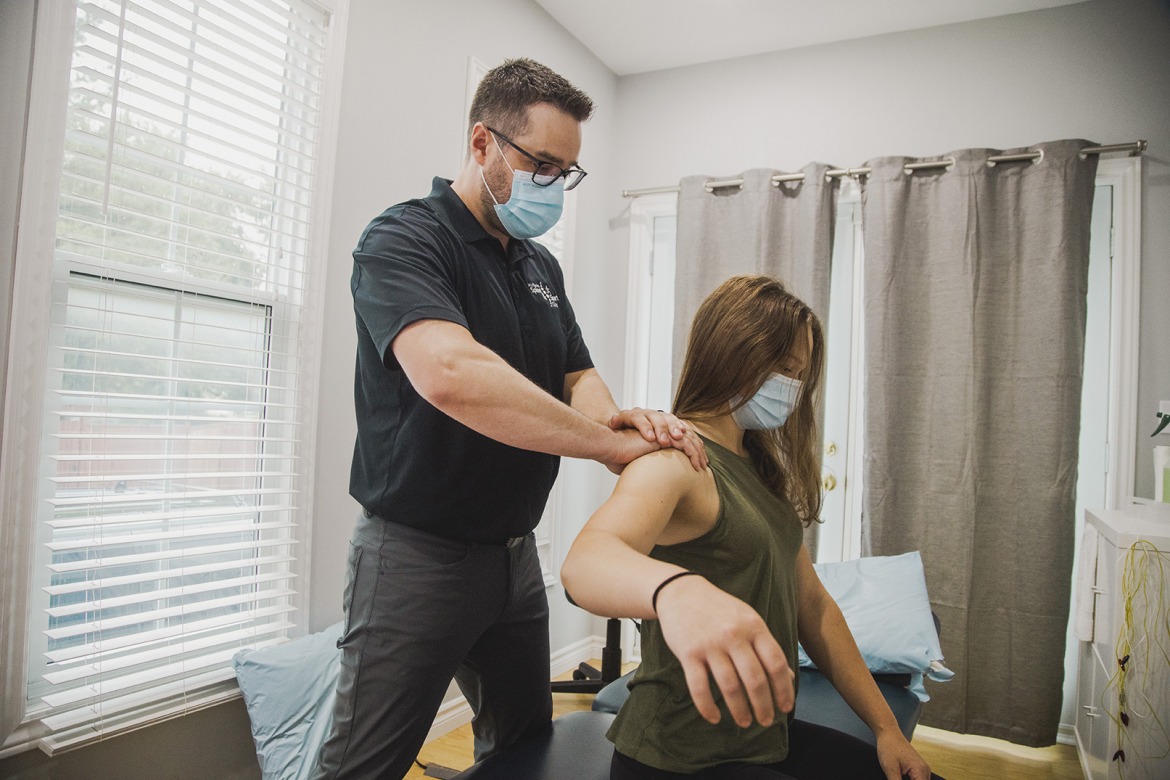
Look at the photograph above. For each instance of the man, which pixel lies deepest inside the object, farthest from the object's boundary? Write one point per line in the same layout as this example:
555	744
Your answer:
472	377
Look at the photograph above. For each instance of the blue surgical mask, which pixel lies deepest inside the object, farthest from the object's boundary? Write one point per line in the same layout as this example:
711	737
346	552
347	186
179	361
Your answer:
770	406
531	209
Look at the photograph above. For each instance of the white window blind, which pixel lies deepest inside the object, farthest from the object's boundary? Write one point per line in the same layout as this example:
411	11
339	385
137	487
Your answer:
166	532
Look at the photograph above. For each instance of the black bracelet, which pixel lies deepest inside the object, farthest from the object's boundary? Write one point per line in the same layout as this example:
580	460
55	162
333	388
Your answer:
664	583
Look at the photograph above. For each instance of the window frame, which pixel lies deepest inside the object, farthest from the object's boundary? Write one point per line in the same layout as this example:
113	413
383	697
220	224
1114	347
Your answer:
547	530
639	288
24	433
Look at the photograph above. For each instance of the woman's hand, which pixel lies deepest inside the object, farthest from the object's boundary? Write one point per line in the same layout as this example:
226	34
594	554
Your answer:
899	759
712	632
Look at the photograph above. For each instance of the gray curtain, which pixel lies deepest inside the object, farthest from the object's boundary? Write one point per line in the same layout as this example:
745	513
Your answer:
975	285
784	231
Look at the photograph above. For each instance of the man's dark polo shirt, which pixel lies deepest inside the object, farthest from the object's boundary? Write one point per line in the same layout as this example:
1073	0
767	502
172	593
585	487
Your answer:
430	259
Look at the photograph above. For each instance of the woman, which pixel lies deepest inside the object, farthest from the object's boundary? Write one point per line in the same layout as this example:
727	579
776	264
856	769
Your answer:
714	562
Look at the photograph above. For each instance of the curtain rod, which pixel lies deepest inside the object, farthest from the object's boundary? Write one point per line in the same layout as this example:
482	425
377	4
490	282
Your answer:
1135	149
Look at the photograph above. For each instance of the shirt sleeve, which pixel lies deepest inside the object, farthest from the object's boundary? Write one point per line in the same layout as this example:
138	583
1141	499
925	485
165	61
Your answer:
577	357
402	274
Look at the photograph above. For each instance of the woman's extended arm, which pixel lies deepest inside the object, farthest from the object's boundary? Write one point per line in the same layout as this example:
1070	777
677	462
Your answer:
830	645
608	572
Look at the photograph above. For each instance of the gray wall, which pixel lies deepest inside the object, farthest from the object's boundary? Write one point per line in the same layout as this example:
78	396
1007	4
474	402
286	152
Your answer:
1098	70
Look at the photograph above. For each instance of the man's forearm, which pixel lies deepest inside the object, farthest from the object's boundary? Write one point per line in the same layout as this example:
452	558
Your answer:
489	396
589	395
472	384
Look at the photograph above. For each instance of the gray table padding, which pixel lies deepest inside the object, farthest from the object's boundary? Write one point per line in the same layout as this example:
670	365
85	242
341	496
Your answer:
573	748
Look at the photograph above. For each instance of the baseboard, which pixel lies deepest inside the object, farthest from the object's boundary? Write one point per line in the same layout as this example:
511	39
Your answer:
1082	756
450	716
1066	735
579	652
456	712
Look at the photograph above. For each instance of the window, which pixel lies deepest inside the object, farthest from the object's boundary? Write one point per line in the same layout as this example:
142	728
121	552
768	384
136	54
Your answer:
179	353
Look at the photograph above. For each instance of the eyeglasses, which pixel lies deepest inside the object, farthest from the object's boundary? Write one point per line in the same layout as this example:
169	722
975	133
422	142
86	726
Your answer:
546	173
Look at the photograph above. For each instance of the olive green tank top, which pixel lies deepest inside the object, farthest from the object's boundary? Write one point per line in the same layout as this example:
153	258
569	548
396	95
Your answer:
751	554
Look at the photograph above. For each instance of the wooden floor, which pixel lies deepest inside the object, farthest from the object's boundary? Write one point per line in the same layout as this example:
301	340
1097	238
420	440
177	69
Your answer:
964	757
953	756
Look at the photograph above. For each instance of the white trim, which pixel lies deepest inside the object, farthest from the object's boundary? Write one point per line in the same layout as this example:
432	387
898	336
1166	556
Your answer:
639	286
450	716
548	529
1125	176
546	535
25	738
631	643
314	320
570	656
569	241
1066	735
1082	755
28	344
853	483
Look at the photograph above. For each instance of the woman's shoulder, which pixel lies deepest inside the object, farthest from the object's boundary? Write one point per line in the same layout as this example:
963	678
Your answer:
666	461
668	469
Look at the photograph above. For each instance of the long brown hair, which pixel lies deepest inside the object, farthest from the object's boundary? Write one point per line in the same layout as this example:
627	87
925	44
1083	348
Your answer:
739	336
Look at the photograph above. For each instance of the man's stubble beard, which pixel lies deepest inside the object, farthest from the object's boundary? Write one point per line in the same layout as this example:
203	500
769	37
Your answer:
498	184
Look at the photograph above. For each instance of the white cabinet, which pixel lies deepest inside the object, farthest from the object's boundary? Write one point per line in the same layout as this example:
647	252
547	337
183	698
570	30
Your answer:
1099	731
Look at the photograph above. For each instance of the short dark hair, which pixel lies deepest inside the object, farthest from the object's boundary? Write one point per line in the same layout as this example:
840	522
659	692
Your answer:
503	97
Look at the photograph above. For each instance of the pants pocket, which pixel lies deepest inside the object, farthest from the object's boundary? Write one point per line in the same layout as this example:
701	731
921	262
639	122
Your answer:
351	575
410	551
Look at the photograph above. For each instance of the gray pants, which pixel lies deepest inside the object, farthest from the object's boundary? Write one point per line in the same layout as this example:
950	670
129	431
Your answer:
419	610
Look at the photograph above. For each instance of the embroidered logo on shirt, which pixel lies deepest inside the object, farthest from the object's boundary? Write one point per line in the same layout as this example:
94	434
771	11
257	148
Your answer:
541	290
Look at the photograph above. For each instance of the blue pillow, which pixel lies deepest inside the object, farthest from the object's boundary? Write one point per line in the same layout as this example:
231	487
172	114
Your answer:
885	604
289	690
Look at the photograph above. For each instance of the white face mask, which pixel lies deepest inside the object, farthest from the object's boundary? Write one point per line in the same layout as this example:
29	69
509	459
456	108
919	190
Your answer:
769	408
531	210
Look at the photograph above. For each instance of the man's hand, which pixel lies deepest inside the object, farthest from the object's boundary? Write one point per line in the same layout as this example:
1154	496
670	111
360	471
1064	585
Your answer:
899	759
665	429
713	632
629	445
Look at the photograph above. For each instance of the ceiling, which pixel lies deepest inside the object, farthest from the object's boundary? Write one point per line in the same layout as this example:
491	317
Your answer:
634	36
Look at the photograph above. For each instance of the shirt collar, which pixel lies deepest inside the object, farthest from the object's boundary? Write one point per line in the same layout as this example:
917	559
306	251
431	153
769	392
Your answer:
451	209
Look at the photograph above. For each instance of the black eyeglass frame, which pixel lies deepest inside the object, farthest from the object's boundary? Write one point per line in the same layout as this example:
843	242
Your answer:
565	173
